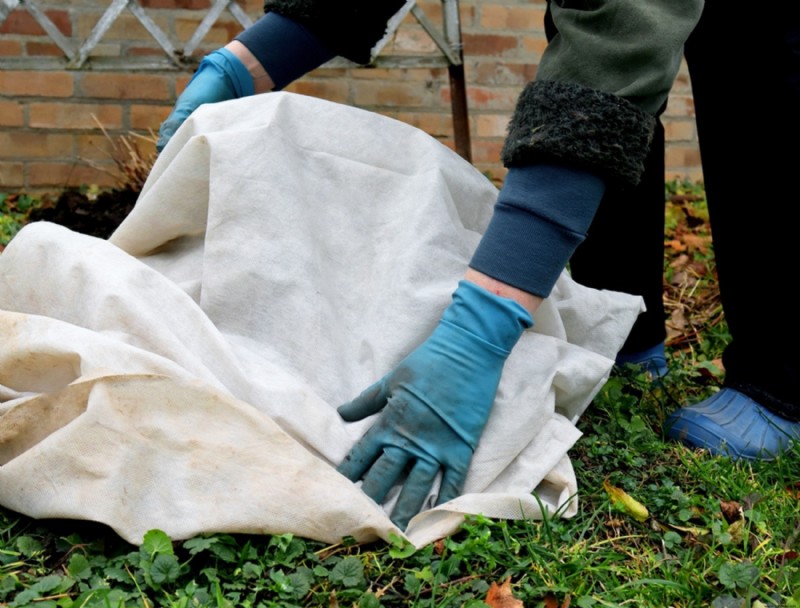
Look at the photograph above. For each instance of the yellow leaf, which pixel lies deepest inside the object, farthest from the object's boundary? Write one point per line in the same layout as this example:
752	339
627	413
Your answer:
693	530
624	501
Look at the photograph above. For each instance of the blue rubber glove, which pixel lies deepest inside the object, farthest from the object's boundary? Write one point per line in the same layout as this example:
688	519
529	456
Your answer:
435	403
219	77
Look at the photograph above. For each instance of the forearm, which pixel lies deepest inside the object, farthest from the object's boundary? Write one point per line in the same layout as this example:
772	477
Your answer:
542	214
349	29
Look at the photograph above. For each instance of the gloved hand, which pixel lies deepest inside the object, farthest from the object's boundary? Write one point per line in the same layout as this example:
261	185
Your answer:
219	77
435	403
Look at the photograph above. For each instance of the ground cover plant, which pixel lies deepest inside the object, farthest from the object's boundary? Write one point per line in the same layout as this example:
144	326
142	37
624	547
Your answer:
658	524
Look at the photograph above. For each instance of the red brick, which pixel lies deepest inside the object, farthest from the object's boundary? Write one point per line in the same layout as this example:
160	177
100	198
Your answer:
21	22
74	116
486	151
682	156
499	73
21	145
11	114
435	124
335	73
411	41
125	27
11	176
146	117
180	84
680	105
332	90
532	47
145	51
447	141
220	34
493	45
116	85
393	95
492	98
491	125
110	148
46	49
374	73
524	18
394	75
97	147
36	84
182	4
680	130
71	174
432	10
10	48
682	84
503	44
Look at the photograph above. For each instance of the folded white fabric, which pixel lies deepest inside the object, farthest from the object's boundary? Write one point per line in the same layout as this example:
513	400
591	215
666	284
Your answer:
284	254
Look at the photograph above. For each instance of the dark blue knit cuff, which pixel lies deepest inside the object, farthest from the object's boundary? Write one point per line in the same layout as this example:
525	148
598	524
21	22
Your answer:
542	214
286	49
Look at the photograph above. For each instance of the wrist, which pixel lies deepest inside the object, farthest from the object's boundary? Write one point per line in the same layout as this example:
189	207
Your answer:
261	80
495	319
526	299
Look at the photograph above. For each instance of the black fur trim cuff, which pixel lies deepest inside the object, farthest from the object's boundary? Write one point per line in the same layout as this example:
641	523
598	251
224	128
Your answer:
581	127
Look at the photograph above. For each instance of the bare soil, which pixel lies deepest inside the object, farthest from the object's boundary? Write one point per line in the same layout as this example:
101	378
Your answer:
79	212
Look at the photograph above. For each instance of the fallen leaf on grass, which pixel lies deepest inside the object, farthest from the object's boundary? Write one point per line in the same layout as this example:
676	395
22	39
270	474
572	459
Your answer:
501	596
731	510
550	601
675	245
696	242
737	531
627	503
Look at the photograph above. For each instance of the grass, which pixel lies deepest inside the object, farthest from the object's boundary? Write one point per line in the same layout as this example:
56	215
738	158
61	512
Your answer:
715	533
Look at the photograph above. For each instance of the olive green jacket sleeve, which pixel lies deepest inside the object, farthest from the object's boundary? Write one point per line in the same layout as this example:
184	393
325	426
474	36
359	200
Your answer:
607	70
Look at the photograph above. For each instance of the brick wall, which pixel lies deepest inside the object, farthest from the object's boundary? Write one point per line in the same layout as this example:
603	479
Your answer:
59	127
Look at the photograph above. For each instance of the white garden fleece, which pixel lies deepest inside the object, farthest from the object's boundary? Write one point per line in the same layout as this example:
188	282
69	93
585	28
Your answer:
285	253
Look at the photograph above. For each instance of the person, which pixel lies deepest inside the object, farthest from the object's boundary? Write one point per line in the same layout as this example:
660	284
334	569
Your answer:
582	128
756	413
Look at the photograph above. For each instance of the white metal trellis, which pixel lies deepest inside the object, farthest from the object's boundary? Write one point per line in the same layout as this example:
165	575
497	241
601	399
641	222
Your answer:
78	54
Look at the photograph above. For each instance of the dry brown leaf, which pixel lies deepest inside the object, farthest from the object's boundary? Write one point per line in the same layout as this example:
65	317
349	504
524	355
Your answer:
675	245
501	596
680	261
678	319
550	601
697	242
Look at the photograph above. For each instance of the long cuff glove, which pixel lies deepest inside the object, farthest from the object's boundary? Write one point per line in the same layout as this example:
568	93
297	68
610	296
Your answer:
435	403
219	77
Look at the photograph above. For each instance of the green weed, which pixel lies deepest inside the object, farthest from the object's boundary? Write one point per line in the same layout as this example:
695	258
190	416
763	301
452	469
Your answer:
717	533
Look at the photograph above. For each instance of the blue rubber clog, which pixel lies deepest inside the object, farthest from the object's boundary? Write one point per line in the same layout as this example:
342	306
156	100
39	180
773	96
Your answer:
653	360
731	424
